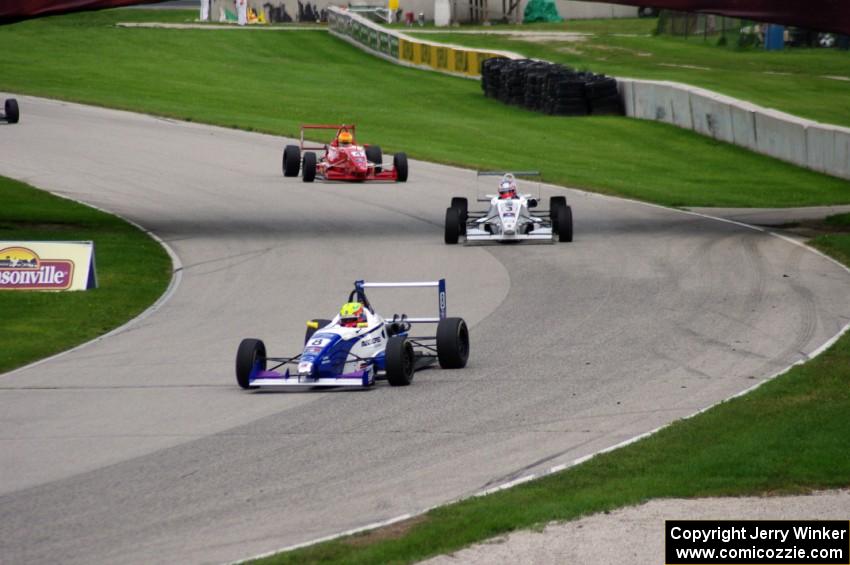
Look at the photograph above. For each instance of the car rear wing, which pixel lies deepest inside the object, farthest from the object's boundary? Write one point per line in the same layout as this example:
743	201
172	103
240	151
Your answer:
488	197
440	285
336	127
503	173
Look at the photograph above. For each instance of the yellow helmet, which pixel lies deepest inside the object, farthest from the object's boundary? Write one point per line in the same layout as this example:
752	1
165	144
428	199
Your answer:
345	137
351	313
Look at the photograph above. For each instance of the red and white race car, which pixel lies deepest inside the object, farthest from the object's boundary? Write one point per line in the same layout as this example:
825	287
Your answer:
342	159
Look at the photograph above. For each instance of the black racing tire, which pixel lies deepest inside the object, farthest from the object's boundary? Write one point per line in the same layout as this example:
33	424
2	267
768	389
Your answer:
13	113
309	174
400	361
400	166
249	351
310	331
291	160
565	224
452	233
556	202
375	155
452	343
462	204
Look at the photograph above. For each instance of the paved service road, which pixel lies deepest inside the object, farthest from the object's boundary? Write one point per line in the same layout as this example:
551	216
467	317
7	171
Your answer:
141	448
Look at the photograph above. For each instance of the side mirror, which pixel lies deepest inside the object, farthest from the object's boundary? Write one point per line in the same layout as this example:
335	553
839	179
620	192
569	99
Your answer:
312	324
532	203
362	324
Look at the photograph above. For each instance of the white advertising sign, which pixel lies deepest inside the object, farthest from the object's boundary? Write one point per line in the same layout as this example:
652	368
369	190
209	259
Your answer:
47	265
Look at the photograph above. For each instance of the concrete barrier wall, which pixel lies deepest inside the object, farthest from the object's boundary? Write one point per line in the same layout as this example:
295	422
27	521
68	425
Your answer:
820	147
841	159
780	137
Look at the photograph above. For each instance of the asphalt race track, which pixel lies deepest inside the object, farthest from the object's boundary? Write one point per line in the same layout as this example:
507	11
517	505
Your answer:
140	448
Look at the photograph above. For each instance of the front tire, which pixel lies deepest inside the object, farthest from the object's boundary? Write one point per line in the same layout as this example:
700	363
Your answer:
309	174
452	230
400	361
556	202
376	156
452	343
13	113
565	224
400	166
291	160
462	205
251	351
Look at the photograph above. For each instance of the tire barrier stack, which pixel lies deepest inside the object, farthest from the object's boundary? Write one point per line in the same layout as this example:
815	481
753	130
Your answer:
550	88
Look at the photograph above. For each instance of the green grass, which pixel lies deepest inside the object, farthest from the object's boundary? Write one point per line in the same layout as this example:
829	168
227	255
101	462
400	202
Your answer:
787	437
838	221
273	82
792	80
132	270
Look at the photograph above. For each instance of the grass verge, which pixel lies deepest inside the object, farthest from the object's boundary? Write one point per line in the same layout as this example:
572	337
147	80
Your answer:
787	437
807	82
133	271
274	81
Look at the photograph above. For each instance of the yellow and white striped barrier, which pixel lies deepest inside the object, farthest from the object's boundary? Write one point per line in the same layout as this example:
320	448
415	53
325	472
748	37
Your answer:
400	48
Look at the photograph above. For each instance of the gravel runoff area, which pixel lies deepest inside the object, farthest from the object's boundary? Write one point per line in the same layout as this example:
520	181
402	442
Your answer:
635	535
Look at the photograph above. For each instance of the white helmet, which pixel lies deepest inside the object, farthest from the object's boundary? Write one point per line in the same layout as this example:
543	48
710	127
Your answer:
507	184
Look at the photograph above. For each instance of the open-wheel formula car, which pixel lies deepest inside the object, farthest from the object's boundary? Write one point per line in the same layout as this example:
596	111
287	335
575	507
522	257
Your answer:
510	217
359	346
11	112
341	159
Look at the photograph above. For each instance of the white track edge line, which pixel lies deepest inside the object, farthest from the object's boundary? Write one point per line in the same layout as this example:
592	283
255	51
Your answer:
372	526
173	284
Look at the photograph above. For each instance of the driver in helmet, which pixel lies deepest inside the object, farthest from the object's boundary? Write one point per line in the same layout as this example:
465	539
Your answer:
351	314
507	187
343	139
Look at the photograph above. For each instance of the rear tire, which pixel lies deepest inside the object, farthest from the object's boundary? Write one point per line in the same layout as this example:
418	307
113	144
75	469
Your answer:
565	224
309	174
452	343
249	353
452	233
376	156
400	166
310	331
13	113
400	361
291	160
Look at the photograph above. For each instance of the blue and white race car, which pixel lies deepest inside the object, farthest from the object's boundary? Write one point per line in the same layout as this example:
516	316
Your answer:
359	346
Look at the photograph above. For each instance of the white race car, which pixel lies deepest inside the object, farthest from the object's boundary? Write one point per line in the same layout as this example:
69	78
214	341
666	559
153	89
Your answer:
509	216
